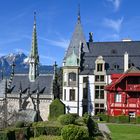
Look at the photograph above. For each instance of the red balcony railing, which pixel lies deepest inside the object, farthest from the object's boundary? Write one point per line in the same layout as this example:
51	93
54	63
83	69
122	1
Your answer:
133	87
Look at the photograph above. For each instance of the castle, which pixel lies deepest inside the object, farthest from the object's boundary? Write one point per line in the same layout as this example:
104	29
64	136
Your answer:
87	69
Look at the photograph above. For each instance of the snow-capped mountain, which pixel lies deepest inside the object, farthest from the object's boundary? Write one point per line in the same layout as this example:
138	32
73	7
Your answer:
21	64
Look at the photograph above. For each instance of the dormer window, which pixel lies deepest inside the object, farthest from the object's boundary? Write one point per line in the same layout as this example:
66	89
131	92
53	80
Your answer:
100	64
99	67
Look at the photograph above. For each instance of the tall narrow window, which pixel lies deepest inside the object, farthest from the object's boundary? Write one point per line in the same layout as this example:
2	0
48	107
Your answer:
99	67
64	95
85	93
72	94
118	97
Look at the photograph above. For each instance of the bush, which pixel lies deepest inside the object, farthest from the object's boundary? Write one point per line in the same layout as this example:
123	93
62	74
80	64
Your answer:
3	135
47	138
57	108
53	130
113	119
22	133
19	124
123	119
74	132
47	130
39	131
66	119
138	119
85	118
103	117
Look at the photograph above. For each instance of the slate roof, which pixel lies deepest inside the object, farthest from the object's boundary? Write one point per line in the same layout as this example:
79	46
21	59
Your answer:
113	54
77	38
44	82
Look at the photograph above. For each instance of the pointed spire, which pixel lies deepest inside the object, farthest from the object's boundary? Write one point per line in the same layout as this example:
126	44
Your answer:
34	57
34	50
79	16
34	18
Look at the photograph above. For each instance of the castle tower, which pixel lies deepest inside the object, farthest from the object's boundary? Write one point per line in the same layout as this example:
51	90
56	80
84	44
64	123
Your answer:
71	68
34	57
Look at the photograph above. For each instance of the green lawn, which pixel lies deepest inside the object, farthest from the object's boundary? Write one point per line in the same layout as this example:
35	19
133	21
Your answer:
124	132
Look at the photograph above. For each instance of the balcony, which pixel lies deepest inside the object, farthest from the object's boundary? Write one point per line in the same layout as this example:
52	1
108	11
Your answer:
133	87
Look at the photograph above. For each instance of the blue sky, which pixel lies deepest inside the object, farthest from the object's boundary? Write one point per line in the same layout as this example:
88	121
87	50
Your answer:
109	20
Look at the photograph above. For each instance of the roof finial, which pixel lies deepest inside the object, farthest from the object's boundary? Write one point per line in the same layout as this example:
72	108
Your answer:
34	18
79	16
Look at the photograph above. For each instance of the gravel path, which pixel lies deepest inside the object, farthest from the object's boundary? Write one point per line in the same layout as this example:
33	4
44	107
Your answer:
103	127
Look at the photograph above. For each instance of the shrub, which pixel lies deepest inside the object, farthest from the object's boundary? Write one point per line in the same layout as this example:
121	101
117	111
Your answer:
138	119
43	137
39	131
53	130
47	130
74	132
66	119
123	119
57	108
103	117
19	124
3	135
113	119
85	118
22	133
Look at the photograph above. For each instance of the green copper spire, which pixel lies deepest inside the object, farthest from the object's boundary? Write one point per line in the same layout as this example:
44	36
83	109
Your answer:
34	50
34	57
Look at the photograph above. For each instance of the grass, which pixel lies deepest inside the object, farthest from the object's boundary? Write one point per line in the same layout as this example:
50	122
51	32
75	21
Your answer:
124	132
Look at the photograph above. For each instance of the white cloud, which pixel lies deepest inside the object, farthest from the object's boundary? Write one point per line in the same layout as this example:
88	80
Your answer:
116	4
114	24
62	43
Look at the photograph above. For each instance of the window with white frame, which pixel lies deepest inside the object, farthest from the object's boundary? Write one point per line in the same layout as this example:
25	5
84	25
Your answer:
99	78
72	94
118	97
99	92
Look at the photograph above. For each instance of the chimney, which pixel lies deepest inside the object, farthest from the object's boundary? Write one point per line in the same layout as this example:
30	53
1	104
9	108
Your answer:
126	61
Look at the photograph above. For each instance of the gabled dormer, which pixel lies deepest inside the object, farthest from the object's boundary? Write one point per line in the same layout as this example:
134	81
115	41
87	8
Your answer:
99	65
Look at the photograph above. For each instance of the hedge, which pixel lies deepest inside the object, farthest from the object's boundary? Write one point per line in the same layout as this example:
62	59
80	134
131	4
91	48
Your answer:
113	119
123	119
43	137
74	132
22	133
138	119
103	117
47	130
7	135
67	119
57	108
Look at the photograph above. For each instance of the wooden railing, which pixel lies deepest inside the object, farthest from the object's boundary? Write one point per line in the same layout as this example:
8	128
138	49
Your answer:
133	87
